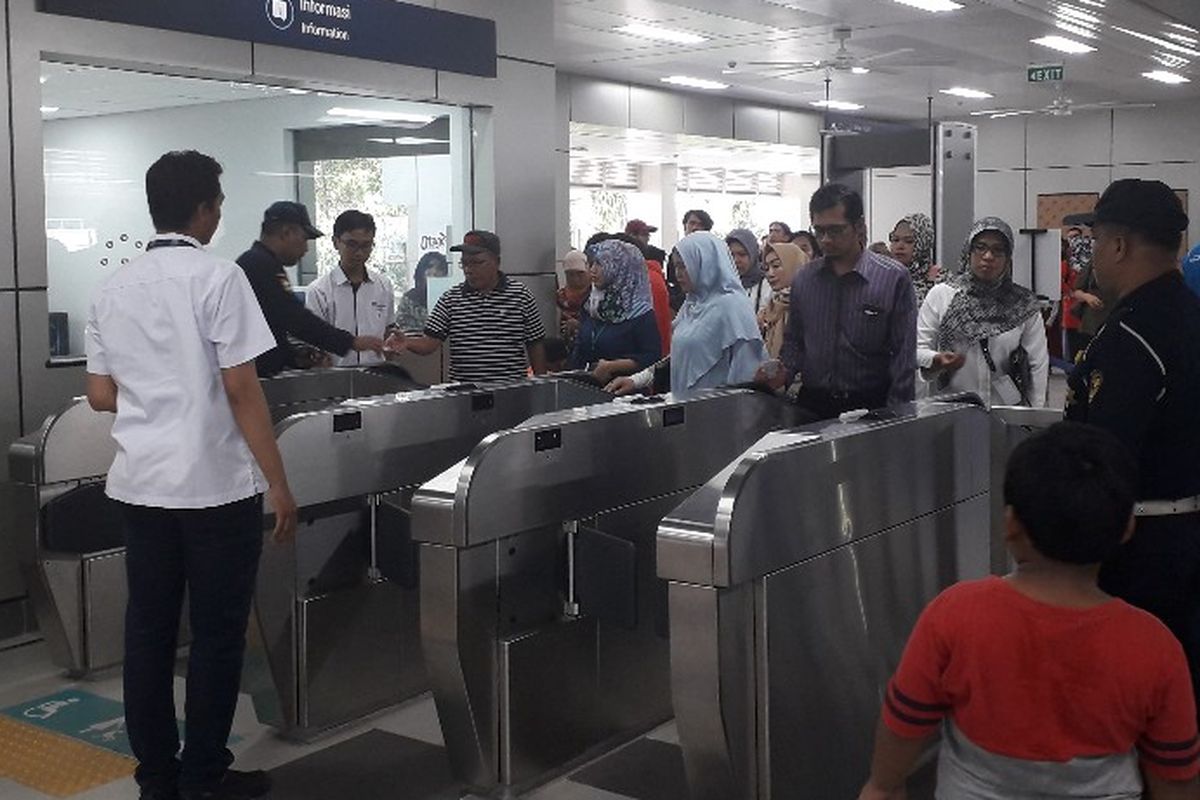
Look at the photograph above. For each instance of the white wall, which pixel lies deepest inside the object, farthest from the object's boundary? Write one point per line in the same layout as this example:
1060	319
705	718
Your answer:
895	193
1022	158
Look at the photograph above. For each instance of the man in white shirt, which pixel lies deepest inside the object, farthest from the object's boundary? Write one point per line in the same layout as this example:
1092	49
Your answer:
353	297
171	341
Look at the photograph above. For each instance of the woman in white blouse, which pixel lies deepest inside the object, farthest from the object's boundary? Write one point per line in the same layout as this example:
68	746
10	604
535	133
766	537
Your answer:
980	332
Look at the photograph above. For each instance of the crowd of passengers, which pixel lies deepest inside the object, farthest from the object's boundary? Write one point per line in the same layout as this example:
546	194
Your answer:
1073	676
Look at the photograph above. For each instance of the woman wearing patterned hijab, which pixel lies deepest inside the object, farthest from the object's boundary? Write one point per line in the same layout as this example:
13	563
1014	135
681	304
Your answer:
981	332
617	331
912	243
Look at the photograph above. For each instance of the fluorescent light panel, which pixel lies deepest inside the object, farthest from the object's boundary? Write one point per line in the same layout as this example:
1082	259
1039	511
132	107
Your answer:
1064	45
49	109
970	94
1162	76
1172	46
837	105
860	70
661	34
694	83
932	5
1071	27
374	114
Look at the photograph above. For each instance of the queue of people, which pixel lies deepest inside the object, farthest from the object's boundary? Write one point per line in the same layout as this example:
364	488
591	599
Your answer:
1042	683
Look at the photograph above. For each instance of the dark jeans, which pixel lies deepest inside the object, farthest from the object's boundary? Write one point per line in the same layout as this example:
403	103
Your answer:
825	404
1159	570
213	554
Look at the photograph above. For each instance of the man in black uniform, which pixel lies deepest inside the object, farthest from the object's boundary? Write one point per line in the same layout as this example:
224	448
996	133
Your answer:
286	232
1140	379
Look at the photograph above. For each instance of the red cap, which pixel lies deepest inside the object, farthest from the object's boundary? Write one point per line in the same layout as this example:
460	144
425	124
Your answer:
637	227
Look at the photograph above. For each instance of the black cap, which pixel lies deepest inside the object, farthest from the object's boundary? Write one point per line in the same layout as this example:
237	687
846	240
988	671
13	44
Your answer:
294	213
478	242
1141	205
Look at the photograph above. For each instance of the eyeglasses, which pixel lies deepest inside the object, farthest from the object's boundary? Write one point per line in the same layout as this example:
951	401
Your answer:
997	250
356	246
829	231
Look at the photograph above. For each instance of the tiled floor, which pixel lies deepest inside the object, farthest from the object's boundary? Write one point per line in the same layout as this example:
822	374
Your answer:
28	673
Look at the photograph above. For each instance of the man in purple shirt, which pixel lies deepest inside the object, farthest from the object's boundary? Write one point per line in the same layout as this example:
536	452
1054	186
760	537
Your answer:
851	335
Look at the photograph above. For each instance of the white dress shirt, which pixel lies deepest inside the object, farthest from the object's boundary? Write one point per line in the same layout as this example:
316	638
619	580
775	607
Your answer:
163	327
975	375
367	311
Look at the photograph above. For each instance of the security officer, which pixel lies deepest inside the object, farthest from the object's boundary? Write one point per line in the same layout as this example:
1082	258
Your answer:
286	232
1140	378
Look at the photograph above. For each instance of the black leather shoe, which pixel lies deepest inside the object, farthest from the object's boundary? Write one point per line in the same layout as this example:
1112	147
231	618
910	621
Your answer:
235	785
158	793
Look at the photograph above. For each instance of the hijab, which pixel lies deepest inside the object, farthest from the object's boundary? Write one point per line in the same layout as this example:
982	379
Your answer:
1080	255
624	290
923	243
714	316
772	320
981	309
419	293
748	240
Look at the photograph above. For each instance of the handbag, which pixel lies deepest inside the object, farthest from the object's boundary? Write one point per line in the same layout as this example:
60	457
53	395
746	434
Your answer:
1021	372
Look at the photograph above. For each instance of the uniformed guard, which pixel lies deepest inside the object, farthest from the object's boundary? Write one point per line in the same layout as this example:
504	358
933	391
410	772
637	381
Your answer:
286	232
1140	378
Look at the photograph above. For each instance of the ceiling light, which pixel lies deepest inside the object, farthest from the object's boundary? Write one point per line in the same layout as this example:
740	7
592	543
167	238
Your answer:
1072	27
970	94
1162	76
695	83
837	105
49	109
1172	46
297	91
932	5
43	78
1064	45
417	140
661	34
859	70
373	114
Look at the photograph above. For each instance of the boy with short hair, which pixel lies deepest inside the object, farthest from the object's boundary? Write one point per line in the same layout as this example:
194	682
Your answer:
1044	686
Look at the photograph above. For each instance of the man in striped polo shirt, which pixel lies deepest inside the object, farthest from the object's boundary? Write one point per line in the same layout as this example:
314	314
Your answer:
490	320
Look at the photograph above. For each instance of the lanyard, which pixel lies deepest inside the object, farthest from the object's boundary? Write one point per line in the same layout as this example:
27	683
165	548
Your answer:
157	243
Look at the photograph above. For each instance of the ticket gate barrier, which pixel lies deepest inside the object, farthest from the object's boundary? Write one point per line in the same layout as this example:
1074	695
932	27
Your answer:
70	537
795	577
338	608
542	620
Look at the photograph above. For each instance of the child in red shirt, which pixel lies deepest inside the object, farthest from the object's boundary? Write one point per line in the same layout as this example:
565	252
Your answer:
1044	686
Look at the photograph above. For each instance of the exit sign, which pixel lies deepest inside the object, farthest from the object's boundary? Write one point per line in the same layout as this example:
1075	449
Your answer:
1045	73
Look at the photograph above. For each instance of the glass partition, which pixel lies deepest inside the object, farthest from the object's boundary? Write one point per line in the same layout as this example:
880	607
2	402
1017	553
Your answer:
402	162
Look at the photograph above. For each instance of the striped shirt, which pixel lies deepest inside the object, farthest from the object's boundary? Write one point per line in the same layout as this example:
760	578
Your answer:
855	332
488	332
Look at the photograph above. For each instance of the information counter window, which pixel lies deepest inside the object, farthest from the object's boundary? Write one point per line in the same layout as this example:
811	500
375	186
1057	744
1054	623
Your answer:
402	162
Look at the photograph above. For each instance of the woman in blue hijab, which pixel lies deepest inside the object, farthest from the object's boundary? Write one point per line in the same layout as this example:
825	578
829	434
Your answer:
715	340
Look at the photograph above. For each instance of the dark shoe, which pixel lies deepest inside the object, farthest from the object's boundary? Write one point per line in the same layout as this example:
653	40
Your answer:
236	785
158	793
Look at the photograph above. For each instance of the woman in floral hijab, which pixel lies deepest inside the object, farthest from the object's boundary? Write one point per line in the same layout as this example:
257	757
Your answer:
912	243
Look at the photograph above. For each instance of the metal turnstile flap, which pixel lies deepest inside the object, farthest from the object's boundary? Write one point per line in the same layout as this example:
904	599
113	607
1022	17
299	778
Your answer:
852	480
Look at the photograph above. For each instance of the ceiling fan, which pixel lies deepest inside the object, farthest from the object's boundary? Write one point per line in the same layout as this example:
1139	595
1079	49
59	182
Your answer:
1060	106
842	60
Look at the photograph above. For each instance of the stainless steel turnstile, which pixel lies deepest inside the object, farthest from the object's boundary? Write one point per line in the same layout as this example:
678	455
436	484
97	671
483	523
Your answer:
338	608
70	537
1011	425
543	624
794	579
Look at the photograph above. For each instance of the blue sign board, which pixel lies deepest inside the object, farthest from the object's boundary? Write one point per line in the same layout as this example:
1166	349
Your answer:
379	30
86	717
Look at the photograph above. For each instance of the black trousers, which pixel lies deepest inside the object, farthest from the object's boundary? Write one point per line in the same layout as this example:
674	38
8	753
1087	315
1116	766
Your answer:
213	554
1158	570
824	404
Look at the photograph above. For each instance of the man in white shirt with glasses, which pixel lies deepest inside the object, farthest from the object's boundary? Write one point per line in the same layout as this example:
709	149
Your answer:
353	297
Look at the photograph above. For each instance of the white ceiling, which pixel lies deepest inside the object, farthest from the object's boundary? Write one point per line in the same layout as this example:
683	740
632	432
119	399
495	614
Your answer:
650	147
985	45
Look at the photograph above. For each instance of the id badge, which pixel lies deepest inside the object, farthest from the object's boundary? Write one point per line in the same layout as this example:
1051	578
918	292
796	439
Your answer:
1006	391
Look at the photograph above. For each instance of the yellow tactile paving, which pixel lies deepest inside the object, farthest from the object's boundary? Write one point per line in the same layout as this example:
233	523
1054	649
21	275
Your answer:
53	764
